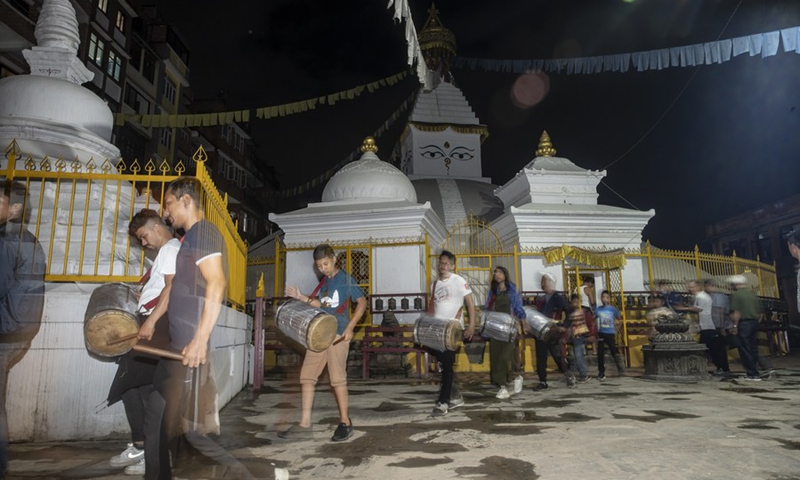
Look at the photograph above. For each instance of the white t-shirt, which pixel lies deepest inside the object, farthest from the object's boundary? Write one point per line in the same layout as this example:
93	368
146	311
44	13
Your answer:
703	301
164	264
585	301
448	297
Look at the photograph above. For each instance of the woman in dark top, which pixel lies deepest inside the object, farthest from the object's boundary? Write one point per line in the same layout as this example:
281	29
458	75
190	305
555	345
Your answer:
503	297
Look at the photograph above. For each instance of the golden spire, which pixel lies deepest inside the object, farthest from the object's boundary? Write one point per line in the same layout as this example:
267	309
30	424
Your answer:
369	145
437	42
545	147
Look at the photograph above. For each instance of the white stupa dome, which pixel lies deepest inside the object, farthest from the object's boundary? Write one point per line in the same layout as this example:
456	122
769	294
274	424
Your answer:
369	178
55	100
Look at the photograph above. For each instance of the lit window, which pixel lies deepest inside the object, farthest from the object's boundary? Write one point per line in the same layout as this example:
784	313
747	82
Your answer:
102	5
169	90
120	21
114	66
166	137
96	48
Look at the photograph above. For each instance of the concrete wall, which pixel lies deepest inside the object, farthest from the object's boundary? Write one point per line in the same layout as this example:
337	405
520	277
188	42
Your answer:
58	392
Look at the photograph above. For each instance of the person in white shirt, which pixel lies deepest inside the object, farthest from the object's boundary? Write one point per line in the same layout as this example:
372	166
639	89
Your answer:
449	293
709	335
133	382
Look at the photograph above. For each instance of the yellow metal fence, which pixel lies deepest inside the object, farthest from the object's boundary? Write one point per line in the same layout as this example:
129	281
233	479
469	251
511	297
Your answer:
79	211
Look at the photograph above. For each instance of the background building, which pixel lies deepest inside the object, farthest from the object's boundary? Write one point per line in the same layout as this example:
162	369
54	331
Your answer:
758	234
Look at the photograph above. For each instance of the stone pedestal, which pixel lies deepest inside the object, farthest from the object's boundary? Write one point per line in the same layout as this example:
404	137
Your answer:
673	355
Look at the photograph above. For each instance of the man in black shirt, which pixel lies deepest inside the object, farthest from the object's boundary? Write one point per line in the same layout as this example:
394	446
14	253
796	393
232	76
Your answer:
195	301
552	305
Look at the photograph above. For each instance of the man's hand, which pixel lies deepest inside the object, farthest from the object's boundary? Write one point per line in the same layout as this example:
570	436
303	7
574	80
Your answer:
147	329
194	354
293	291
469	332
347	334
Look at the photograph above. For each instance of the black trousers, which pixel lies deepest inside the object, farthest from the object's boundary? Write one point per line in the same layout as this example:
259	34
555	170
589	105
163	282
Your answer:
542	349
716	348
446	359
608	340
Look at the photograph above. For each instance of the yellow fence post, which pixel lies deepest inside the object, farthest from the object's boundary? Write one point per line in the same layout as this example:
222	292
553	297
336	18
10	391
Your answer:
277	274
760	281
649	265
697	261
12	152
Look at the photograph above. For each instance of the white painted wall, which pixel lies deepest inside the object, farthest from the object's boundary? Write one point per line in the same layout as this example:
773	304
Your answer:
58	392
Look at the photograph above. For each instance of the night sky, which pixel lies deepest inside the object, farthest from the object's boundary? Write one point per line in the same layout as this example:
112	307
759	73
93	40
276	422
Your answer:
722	138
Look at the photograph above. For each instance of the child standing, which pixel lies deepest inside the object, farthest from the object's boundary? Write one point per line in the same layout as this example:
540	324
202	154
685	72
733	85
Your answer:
607	316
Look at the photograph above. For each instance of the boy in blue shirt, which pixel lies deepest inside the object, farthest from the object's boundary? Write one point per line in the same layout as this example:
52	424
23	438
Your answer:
606	318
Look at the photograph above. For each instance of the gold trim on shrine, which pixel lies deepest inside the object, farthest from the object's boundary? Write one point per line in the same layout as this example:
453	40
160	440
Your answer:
607	259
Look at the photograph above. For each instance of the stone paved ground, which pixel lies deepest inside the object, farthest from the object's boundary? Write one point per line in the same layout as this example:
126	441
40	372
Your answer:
624	428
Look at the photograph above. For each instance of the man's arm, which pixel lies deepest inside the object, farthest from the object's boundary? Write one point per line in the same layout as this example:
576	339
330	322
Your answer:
471	312
149	325
211	269
361	307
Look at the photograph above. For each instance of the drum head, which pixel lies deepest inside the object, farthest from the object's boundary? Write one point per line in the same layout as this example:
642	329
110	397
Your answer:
321	332
453	336
106	327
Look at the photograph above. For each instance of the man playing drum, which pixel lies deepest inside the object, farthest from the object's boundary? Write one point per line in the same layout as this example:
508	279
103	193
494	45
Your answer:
195	301
553	305
133	382
333	294
448	295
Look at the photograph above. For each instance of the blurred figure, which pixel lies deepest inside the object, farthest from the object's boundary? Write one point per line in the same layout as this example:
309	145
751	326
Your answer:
503	297
580	328
793	241
719	315
745	314
198	291
22	269
709	334
555	306
133	382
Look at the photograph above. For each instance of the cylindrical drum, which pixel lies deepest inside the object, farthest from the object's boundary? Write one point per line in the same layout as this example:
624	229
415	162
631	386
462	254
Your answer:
111	314
311	327
540	325
499	326
437	333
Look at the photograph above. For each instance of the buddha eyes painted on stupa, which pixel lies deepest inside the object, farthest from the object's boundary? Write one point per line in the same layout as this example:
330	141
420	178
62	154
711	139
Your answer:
434	152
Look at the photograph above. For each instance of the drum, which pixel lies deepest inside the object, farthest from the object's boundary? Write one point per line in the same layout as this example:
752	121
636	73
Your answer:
540	325
437	333
111	314
313	328
499	326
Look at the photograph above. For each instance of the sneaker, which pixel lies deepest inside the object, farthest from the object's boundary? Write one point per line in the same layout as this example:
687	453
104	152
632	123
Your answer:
296	432
130	456
601	377
518	384
456	402
343	432
584	379
439	410
541	386
767	373
750	378
137	468
503	393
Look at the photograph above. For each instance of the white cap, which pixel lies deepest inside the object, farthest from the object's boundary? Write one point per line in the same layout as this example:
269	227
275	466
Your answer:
738	280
